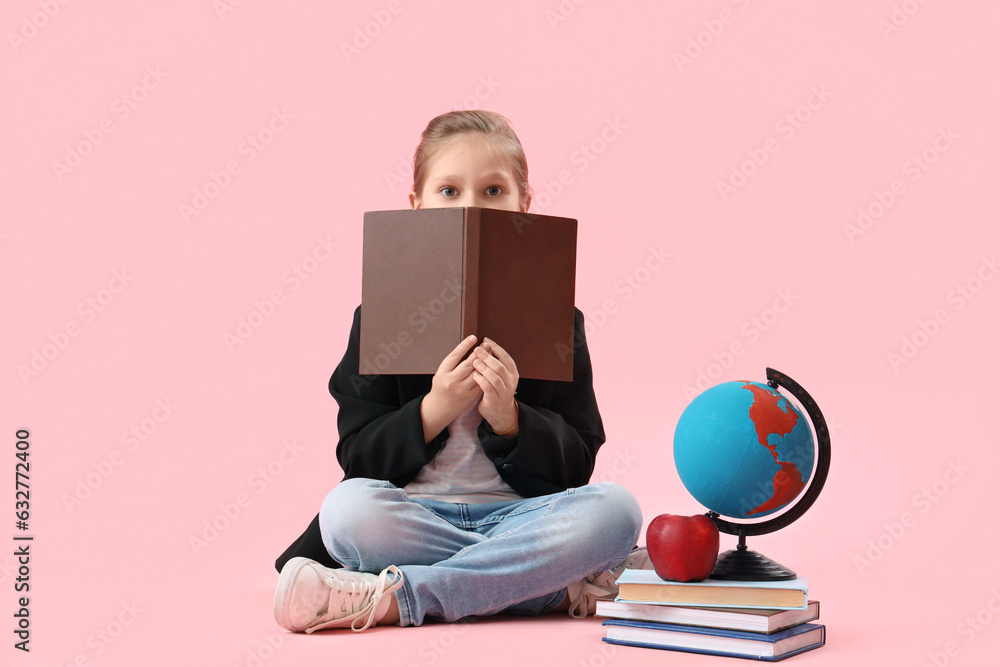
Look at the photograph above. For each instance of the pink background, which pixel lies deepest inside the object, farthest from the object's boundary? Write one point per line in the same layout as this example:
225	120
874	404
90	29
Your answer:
898	572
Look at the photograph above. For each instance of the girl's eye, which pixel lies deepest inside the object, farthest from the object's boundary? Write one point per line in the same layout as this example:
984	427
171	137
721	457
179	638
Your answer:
493	190
449	191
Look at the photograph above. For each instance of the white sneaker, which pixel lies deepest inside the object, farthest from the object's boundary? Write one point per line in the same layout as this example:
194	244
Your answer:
637	560
311	597
584	595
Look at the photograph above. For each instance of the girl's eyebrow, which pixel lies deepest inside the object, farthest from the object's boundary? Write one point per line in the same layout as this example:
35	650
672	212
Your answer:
496	176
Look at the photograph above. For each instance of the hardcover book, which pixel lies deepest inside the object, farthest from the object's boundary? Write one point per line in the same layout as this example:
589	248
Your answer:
750	620
645	586
731	643
431	277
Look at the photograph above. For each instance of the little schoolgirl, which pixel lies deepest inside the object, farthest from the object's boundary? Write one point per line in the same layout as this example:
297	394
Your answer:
465	492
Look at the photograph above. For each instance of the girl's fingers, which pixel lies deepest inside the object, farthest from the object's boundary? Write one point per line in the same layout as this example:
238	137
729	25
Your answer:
501	354
486	359
494	371
453	358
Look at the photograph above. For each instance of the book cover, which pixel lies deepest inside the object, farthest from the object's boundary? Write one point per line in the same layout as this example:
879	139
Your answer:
750	620
645	586
772	647
431	277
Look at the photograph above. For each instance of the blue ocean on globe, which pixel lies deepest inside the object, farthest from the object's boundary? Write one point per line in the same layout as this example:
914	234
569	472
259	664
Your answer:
743	450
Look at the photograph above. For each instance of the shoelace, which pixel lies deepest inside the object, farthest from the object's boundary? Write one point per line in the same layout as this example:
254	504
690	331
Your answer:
350	599
602	584
596	586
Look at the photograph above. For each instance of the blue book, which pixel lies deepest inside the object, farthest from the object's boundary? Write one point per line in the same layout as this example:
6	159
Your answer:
645	586
712	641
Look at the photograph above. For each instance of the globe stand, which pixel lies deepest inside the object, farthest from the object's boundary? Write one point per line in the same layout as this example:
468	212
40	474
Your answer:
741	564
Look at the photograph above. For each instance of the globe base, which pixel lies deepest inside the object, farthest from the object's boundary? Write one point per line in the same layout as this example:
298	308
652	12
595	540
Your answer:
742	564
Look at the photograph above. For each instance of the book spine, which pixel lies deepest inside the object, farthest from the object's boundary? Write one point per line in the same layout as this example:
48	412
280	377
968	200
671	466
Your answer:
470	273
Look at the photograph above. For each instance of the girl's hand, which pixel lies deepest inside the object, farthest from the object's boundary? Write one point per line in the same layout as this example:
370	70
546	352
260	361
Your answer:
496	374
453	389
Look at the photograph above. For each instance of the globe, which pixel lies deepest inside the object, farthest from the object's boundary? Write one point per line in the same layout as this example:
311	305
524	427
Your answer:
743	450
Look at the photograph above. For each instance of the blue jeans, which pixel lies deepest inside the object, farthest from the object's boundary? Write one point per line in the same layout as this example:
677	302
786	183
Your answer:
458	560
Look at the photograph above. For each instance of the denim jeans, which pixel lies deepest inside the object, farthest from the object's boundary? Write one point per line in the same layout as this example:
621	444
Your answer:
516	556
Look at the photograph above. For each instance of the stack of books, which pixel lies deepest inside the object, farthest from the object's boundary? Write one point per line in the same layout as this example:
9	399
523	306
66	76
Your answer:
764	620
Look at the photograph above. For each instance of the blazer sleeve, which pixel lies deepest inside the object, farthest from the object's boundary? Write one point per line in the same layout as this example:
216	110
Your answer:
381	433
560	431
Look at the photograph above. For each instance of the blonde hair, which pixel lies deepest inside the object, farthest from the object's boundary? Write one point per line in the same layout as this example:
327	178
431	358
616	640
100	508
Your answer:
500	138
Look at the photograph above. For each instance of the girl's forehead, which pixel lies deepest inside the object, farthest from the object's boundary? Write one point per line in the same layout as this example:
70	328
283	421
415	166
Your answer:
469	154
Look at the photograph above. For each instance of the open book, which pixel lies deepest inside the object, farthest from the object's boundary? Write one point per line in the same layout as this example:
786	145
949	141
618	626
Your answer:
431	277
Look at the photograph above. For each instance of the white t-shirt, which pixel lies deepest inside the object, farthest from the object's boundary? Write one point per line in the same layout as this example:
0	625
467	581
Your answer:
461	472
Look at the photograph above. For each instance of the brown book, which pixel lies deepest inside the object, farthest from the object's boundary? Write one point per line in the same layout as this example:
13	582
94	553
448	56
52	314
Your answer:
431	277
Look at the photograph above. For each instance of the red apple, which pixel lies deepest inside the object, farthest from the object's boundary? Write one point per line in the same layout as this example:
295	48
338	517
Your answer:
682	548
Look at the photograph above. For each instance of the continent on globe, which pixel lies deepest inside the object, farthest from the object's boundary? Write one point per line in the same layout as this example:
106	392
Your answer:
743	450
768	418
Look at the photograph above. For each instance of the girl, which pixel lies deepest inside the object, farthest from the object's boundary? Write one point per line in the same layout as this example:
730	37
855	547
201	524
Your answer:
459	497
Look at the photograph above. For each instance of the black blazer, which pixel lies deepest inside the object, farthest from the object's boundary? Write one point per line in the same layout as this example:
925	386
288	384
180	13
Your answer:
382	436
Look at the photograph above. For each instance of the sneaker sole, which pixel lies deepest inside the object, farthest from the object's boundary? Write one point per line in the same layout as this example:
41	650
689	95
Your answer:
283	592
